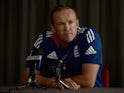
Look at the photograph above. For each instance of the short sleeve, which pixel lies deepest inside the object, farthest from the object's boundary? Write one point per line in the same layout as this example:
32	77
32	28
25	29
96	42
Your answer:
92	47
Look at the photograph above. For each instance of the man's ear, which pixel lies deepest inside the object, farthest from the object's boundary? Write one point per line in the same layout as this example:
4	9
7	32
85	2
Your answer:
52	28
78	22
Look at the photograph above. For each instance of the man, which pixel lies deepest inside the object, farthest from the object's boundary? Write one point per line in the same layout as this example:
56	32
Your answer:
82	46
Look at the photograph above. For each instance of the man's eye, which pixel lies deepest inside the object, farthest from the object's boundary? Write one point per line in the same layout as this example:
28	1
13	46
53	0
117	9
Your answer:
59	24
70	22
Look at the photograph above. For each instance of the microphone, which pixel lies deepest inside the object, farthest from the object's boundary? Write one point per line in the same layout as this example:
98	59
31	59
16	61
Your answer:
58	69
34	59
58	74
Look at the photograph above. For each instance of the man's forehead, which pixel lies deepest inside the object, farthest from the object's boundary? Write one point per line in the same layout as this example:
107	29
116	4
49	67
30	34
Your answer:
66	13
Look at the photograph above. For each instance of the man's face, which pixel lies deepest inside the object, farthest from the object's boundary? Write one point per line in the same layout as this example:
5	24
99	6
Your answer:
65	25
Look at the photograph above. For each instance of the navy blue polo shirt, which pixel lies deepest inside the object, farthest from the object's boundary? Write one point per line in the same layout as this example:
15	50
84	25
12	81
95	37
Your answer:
85	48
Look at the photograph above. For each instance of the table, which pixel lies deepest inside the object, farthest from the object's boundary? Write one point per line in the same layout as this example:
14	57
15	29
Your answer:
52	90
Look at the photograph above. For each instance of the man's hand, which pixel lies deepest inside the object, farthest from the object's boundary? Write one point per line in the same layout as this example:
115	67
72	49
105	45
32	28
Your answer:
71	83
47	82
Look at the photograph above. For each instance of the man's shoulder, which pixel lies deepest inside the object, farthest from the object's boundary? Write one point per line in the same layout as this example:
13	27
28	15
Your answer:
88	34
85	30
46	34
43	38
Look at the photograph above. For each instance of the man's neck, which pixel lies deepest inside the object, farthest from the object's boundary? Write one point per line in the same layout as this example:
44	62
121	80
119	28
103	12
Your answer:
64	44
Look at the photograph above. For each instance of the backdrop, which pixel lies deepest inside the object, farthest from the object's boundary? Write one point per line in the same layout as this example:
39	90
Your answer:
21	21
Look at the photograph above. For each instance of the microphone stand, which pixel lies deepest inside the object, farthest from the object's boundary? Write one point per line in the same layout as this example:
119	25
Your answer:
32	79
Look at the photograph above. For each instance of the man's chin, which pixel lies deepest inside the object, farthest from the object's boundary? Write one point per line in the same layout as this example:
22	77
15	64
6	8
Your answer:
68	40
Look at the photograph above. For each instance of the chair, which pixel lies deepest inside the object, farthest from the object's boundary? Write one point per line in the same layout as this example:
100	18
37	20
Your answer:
105	77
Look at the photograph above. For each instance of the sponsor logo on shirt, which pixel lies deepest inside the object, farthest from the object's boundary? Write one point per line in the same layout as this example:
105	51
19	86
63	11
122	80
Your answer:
90	50
52	55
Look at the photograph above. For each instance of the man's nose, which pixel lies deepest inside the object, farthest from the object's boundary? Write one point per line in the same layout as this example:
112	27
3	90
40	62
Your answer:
67	27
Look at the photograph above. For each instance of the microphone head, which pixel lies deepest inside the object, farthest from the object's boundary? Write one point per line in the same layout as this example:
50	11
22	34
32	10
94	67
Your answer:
35	58
36	54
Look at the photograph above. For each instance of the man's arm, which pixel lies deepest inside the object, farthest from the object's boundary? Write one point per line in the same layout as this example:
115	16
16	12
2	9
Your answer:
86	79
46	82
42	81
25	76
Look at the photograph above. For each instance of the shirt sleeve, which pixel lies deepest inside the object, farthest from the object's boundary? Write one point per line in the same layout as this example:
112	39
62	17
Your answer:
92	47
36	53
39	48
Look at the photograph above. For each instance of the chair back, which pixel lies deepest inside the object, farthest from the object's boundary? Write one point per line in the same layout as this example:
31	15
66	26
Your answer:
105	77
